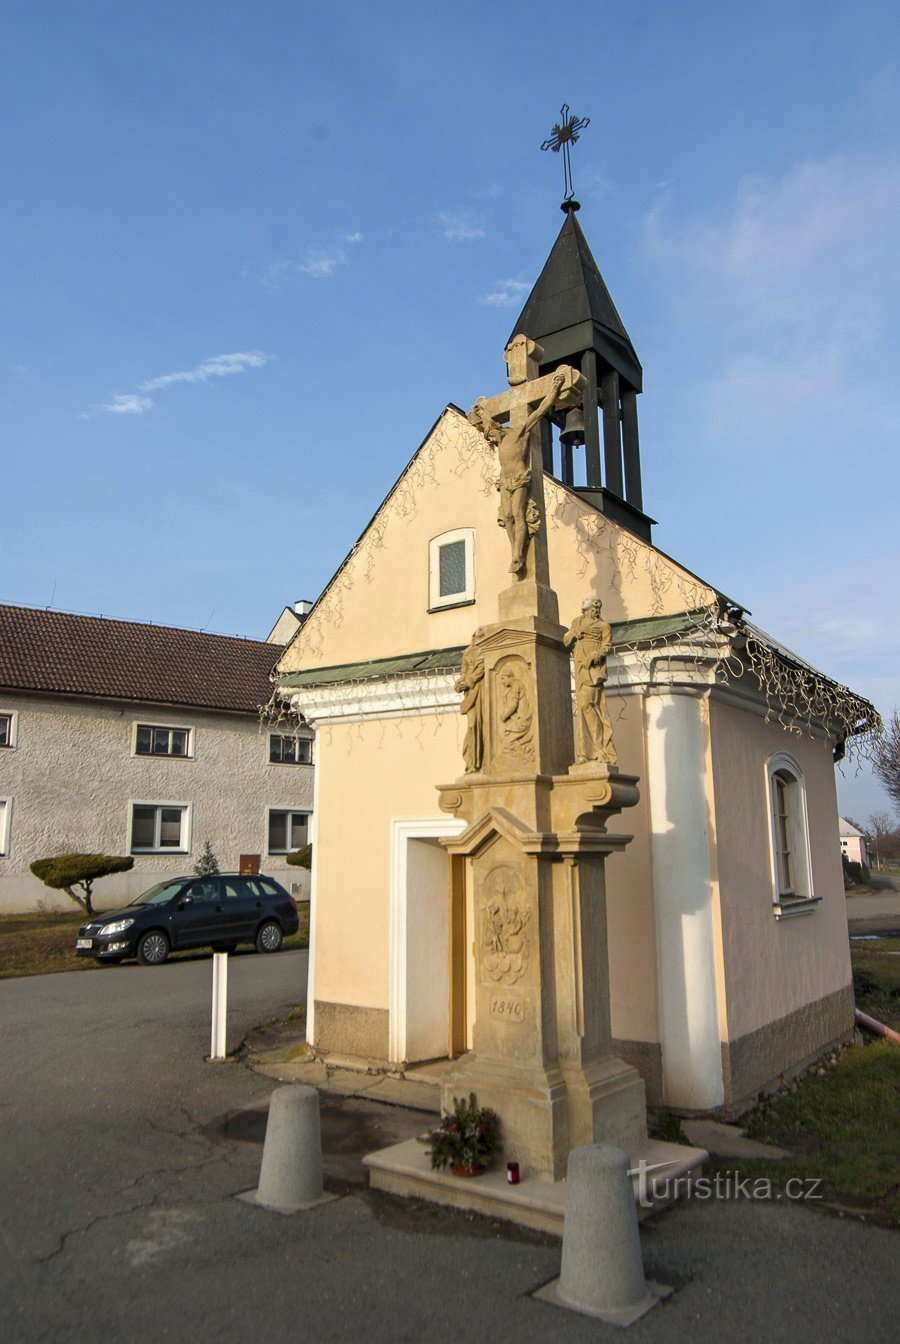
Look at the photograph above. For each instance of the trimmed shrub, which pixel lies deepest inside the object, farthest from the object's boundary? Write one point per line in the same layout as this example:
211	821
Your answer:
65	872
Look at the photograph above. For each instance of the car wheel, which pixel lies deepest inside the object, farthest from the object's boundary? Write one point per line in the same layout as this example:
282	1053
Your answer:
153	948
270	937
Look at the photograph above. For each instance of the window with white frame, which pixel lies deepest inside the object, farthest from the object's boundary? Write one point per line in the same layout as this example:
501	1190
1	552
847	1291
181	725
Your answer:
160	828
285	749
7	728
789	835
288	830
5	811
451	569
152	739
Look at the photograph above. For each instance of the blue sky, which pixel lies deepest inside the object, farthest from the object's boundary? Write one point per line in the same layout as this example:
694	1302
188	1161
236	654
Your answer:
252	250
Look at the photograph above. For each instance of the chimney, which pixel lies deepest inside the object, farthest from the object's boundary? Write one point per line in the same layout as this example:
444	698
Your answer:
303	608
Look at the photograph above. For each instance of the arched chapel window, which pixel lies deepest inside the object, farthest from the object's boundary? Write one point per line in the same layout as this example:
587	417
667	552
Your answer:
792	890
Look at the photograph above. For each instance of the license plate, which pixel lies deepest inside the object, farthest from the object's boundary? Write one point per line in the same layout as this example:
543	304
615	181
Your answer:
84	942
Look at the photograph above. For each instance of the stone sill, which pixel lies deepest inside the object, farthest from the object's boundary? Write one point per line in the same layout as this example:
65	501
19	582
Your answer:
804	905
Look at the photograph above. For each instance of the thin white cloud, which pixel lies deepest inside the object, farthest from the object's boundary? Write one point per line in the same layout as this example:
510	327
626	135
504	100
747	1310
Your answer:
459	227
128	403
505	294
318	262
219	366
817	245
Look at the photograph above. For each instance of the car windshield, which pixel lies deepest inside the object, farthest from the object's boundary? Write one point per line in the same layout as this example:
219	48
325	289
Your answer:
160	894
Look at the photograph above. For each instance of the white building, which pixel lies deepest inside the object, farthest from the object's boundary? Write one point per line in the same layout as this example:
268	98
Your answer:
122	738
854	845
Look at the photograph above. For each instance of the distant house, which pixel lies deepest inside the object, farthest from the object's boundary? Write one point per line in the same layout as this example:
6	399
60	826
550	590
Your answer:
854	845
124	738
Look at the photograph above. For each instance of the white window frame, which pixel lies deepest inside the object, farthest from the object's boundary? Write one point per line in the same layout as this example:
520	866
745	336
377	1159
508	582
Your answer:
295	737
13	716
305	812
162	756
6	805
435	601
802	900
186	808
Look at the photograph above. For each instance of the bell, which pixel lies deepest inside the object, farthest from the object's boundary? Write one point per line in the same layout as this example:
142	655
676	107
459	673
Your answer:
573	433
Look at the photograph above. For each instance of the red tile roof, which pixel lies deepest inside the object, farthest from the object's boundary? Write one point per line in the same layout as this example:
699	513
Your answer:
53	651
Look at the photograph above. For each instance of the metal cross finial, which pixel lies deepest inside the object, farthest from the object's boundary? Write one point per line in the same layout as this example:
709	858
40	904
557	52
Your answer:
564	134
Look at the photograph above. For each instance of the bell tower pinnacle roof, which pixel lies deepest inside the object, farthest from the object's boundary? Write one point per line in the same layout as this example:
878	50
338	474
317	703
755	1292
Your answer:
570	307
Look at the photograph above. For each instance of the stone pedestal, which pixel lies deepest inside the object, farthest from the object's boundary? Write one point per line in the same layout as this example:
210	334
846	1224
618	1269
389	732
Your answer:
536	843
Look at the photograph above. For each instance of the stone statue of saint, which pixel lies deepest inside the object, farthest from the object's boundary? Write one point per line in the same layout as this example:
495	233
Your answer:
471	683
590	639
514	708
518	514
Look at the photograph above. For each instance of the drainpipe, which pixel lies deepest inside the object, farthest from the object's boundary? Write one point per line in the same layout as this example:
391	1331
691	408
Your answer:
877	1028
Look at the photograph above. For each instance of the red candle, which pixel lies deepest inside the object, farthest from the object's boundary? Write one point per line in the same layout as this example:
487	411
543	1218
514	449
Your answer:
512	1173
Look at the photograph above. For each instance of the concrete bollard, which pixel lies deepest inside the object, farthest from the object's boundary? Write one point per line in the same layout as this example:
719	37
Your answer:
602	1273
290	1178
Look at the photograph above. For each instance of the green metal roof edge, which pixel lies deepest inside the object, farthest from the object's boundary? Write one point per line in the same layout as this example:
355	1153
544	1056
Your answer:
427	661
431	660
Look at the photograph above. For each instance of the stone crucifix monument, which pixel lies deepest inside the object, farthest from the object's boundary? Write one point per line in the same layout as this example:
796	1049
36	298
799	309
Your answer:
536	837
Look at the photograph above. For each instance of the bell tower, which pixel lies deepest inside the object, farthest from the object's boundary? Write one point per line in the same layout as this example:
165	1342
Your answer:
570	314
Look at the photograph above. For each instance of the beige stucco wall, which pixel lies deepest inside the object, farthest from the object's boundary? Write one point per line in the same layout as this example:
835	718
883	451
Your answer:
376	772
72	777
377	605
773	967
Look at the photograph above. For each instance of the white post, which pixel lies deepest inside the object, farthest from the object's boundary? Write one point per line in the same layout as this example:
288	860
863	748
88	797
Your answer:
219	1005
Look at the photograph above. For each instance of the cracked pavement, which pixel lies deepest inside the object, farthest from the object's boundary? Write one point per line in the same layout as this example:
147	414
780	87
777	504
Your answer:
121	1151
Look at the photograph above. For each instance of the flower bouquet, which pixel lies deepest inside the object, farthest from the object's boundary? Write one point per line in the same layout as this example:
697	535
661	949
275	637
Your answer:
466	1141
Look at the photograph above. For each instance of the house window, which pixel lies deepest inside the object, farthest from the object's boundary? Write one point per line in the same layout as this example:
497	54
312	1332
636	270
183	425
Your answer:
159	828
451	569
7	730
287	831
5	810
789	833
285	749
152	739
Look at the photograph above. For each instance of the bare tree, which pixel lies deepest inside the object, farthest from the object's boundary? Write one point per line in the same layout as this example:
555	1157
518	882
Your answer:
887	757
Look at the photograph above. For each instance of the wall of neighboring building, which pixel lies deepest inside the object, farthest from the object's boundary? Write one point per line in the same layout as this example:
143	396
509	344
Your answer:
73	775
789	980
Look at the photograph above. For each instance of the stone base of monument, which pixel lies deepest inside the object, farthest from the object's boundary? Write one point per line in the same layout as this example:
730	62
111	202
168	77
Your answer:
659	1178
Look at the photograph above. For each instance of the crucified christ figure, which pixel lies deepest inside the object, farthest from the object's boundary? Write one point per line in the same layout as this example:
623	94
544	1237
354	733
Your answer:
518	513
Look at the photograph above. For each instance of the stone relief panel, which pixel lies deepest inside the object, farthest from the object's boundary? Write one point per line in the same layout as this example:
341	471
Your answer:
505	942
513	714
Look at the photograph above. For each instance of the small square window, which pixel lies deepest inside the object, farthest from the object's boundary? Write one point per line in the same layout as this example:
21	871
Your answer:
451	569
287	831
153	740
159	828
7	730
285	749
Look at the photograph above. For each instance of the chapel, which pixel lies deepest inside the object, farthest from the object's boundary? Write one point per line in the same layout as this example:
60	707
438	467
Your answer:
728	961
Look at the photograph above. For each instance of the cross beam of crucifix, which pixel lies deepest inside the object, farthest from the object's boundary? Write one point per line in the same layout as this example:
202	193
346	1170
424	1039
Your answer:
507	421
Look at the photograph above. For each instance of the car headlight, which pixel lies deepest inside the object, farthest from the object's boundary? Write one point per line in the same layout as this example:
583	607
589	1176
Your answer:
119	926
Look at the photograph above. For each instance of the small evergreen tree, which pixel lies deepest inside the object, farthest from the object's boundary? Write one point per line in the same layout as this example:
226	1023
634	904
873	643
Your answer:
207	864
65	872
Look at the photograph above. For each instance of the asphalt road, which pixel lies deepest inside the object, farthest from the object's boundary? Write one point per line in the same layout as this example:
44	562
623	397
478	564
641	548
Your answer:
119	1222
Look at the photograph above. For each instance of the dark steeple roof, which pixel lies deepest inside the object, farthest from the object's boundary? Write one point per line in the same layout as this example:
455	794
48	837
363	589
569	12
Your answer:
570	308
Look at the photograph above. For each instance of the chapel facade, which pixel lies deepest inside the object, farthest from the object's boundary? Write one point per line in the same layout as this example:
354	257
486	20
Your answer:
729	963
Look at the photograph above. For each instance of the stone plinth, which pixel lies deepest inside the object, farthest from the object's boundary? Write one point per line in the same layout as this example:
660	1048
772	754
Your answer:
536	842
